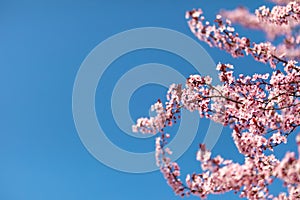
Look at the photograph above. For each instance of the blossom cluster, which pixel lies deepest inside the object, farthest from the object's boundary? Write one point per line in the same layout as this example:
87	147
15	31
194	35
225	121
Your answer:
289	47
222	35
263	110
279	15
250	179
242	16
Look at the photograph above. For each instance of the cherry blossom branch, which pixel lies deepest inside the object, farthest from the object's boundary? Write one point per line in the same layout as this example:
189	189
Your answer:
262	110
251	179
243	110
279	15
223	36
243	17
290	45
246	103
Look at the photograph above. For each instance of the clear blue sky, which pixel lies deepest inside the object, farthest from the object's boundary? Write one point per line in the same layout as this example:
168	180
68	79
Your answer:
42	45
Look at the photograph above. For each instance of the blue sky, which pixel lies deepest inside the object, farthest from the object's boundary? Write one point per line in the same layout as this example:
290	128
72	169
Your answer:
42	45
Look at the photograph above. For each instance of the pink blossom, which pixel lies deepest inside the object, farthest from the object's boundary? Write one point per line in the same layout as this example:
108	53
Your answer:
242	16
279	15
223	36
262	110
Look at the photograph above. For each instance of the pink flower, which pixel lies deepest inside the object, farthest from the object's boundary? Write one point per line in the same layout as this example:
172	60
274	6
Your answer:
262	110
